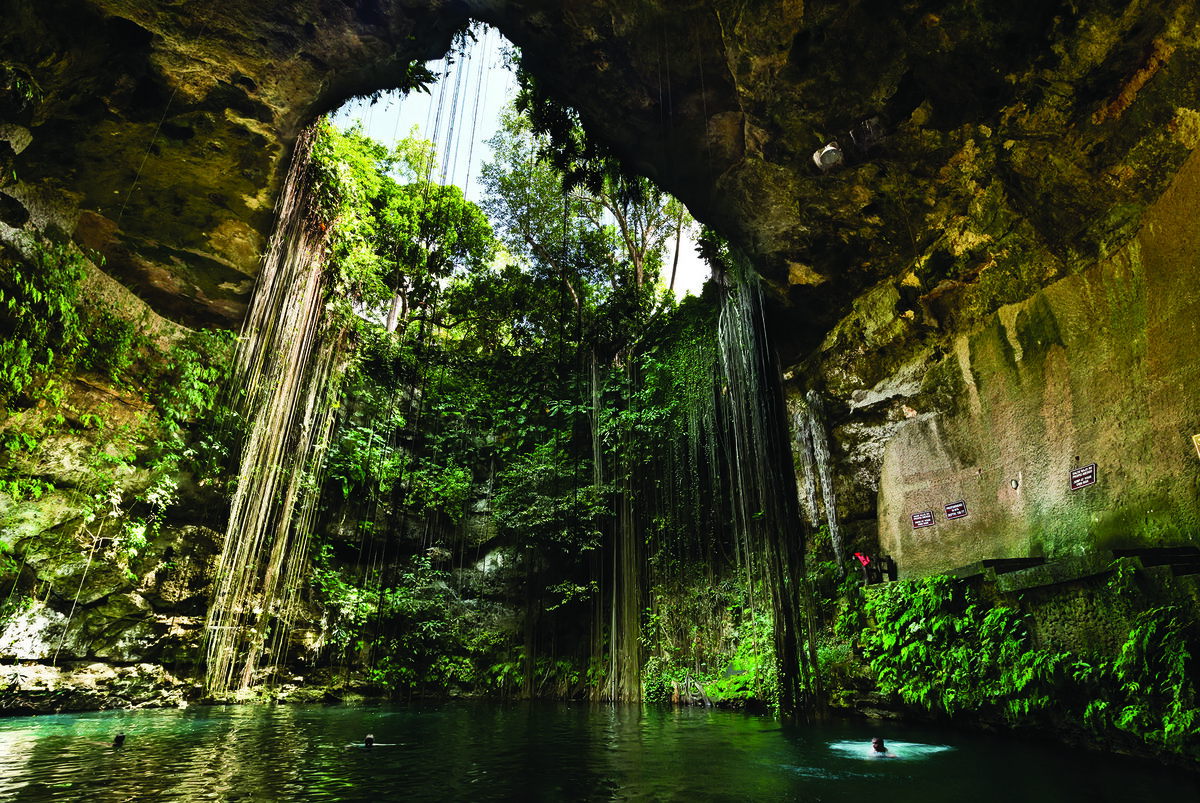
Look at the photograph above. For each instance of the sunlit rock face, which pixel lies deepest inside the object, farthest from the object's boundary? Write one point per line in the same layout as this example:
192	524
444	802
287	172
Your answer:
154	132
1009	144
1099	368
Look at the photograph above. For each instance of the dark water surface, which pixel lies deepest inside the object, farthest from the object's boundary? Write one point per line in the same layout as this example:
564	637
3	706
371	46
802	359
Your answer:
539	751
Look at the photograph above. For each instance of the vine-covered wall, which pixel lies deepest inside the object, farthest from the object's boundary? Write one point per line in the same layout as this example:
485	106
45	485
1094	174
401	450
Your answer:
107	505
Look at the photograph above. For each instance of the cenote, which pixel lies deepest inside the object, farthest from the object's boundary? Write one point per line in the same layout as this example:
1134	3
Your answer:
544	387
539	751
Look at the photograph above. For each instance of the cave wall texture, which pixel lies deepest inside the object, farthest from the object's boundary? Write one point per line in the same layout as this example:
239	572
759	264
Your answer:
979	290
1098	368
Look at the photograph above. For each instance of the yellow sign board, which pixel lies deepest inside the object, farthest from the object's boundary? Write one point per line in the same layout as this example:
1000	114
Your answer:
1196	440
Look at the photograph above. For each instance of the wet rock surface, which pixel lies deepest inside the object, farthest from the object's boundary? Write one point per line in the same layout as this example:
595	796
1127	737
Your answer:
40	689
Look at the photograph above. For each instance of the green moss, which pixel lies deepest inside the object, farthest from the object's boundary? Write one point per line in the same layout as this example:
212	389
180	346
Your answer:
993	359
944	387
1151	521
1037	329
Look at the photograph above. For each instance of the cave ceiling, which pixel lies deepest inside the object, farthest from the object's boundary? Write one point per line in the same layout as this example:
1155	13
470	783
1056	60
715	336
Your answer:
986	148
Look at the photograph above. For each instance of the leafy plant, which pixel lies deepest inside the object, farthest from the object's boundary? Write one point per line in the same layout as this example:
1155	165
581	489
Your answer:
16	81
113	343
937	647
38	318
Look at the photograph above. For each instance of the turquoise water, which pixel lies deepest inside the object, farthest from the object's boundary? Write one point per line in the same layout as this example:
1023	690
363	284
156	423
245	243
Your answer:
539	751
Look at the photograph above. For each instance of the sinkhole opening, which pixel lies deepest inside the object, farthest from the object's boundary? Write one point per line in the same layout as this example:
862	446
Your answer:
479	379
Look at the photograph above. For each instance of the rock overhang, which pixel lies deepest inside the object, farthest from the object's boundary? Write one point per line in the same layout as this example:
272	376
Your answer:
1013	143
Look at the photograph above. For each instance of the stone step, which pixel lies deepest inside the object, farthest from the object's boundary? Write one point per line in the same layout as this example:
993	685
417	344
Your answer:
1161	556
994	566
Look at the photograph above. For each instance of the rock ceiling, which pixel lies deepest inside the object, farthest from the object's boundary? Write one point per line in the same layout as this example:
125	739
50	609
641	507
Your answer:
984	149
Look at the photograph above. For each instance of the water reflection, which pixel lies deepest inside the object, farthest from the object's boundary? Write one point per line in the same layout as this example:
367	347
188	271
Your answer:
483	752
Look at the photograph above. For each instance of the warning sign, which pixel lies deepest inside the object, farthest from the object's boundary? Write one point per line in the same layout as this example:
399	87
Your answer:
1083	476
956	510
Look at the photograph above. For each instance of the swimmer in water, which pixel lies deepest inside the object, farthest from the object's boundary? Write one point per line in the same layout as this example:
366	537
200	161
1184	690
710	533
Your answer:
118	740
878	746
370	740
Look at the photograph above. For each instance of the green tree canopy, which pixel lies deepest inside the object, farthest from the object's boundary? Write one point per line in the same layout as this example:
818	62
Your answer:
602	241
398	236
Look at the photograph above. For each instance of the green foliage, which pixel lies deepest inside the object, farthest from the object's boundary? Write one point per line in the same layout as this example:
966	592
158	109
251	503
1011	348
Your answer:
595	246
413	634
392	240
752	671
113	343
192	375
481	399
708	634
363	458
1157	677
199	431
838	664
746	674
938	648
44	331
658	678
348	607
543	499
37	313
25	489
443	489
18	87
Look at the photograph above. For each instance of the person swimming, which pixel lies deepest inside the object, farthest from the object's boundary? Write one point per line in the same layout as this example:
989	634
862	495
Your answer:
369	742
878	746
118	740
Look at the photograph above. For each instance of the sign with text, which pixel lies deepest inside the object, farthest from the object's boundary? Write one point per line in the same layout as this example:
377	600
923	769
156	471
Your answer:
1083	476
956	510
922	519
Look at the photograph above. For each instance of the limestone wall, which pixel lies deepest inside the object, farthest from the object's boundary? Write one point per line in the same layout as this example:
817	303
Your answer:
1101	367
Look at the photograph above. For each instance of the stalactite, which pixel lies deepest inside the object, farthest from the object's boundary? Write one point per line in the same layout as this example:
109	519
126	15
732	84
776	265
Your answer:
803	448
811	445
283	387
820	442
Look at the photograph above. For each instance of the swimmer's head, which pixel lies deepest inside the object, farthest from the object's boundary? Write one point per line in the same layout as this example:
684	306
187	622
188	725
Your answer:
370	740
878	745
118	740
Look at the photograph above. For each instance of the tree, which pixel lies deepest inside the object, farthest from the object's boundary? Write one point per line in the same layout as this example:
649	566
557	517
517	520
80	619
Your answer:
398	236
604	239
539	382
